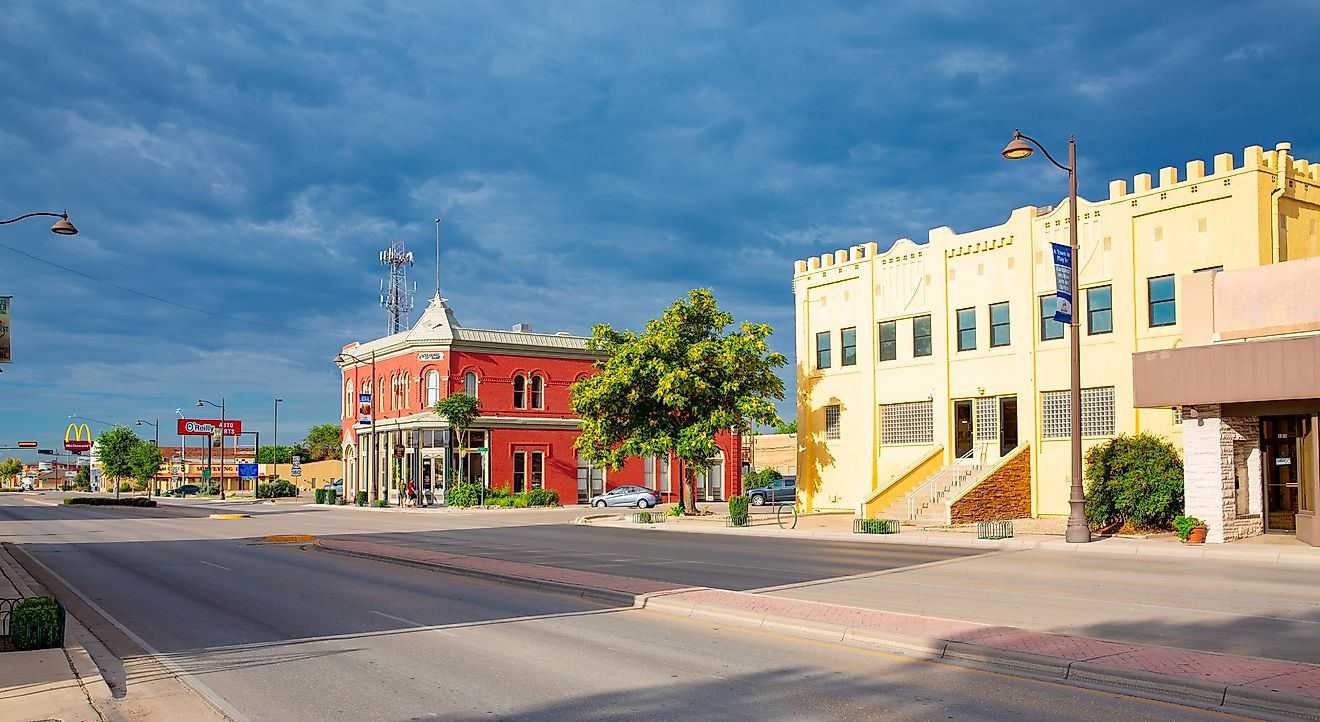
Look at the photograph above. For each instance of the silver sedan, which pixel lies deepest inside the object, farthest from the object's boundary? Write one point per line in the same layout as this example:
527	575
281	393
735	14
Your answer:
638	496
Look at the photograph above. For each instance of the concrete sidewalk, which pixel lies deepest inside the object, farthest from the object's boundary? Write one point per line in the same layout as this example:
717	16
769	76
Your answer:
47	684
838	527
1286	687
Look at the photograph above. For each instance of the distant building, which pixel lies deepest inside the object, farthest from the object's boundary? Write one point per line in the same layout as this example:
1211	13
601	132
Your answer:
933	381
524	437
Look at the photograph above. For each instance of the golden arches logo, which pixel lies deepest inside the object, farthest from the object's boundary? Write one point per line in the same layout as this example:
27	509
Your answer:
78	437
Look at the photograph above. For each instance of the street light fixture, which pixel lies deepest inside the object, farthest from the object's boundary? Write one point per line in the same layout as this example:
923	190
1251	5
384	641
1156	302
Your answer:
221	406
157	442
375	453
1020	147
63	227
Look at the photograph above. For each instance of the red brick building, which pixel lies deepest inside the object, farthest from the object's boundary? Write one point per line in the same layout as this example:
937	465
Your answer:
524	437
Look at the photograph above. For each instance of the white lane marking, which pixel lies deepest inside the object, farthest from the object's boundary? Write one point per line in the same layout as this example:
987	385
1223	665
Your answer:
38	501
419	625
198	686
217	566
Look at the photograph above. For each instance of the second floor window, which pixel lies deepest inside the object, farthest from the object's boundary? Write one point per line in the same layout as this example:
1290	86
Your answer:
848	340
999	328
832	425
888	340
1163	311
470	384
1099	310
537	392
432	388
519	392
1049	328
823	350
966	329
921	336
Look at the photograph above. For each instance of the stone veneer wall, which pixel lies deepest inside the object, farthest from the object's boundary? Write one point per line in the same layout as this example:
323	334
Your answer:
1004	494
1213	445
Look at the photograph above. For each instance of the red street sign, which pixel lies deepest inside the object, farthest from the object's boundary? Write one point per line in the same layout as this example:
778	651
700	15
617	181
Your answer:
207	427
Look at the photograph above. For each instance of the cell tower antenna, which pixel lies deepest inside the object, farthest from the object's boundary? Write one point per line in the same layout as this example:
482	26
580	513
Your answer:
397	300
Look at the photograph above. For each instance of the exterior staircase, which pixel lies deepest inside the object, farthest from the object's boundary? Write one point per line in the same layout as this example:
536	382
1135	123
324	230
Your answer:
928	504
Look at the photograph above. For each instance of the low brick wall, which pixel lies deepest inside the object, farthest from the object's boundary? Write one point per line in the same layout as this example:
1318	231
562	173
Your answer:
1004	494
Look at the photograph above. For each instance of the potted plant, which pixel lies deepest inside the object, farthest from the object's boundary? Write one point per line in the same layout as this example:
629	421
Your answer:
1190	529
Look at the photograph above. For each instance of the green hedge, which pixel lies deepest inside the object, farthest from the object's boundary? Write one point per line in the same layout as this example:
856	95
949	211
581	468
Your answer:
319	495
280	488
380	504
464	495
361	497
738	506
1136	480
34	623
107	501
330	495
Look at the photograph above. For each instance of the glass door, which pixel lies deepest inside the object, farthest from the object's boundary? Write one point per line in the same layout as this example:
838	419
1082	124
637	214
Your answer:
1279	447
962	428
1008	424
591	481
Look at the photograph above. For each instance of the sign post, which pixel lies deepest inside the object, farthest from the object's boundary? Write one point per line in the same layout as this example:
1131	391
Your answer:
1063	307
6	349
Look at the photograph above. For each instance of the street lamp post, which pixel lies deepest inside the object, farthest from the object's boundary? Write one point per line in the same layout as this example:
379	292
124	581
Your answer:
157	425
221	406
375	453
275	445
1020	147
62	227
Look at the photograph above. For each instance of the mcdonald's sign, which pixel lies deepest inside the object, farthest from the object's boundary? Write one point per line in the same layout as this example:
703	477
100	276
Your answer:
78	437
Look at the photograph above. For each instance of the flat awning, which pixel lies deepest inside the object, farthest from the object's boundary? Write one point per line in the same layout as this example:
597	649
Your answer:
1268	370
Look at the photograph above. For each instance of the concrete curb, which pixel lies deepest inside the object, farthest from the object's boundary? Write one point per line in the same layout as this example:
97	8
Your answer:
1162	550
1133	681
607	595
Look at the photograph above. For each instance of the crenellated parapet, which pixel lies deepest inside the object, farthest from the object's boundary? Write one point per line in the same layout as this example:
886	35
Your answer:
1254	157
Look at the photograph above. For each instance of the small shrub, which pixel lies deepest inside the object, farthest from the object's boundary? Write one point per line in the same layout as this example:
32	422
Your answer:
738	509
330	495
1137	480
464	495
758	479
140	501
1185	524
361	497
643	517
520	501
208	488
675	510
874	526
319	495
498	492
542	497
278	489
380	504
125	486
34	623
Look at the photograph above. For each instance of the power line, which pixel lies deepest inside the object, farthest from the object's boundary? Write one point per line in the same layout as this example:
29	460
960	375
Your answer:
158	298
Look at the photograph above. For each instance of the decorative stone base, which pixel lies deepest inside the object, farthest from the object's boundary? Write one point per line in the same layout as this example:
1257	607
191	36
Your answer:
1222	473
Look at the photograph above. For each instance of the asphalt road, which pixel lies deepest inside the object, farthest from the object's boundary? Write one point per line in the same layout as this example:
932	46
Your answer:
278	633
711	560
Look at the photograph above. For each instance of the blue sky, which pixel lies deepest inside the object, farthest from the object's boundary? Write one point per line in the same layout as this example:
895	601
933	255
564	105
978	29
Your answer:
592	161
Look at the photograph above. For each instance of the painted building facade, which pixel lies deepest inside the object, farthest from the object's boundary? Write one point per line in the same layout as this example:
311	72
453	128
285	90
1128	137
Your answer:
931	367
524	437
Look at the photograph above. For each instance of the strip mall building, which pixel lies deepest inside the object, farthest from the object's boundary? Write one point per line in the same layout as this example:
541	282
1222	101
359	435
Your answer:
524	437
933	381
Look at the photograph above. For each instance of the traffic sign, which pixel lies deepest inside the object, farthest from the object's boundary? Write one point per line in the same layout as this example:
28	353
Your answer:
206	474
247	471
481	449
295	469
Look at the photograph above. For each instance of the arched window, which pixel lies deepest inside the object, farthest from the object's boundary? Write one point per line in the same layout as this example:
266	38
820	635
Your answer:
348	399
538	392
432	388
519	392
470	383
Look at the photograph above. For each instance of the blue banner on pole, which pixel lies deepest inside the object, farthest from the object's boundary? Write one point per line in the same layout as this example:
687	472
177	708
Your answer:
1063	306
247	471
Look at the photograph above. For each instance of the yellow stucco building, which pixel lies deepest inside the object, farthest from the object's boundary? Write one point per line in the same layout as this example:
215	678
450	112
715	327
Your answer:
932	380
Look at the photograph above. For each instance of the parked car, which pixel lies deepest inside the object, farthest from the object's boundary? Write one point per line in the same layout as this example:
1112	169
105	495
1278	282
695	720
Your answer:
780	490
338	486
638	496
184	490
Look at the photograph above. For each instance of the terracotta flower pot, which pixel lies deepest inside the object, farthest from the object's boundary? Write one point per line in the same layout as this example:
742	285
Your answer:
1197	536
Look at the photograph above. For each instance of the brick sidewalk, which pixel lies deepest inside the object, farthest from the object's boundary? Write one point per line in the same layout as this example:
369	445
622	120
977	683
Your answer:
1203	668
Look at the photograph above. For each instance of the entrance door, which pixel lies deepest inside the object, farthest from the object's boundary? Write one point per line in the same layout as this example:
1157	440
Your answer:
710	486
590	481
1280	446
962	428
1008	424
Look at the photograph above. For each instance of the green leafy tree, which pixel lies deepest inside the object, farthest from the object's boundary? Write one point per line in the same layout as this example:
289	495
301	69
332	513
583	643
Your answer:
675	386
1136	480
788	427
323	442
276	454
82	481
459	410
9	469
114	451
145	460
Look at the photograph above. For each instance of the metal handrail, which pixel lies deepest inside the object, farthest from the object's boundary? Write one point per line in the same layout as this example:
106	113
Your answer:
931	491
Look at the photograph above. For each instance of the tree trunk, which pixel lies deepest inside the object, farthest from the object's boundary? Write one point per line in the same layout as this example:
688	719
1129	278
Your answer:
689	491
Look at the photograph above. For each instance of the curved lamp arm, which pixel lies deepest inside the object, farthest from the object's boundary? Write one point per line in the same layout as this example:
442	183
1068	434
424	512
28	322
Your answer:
1033	141
65	216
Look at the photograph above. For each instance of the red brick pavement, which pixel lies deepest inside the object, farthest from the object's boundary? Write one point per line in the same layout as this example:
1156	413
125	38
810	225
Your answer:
1265	674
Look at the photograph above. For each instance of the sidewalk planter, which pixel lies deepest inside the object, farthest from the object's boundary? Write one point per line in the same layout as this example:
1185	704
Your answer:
31	623
1190	529
994	530
877	526
737	521
648	517
1197	536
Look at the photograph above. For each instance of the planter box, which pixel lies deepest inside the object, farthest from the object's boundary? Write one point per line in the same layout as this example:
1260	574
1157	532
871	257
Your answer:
877	526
